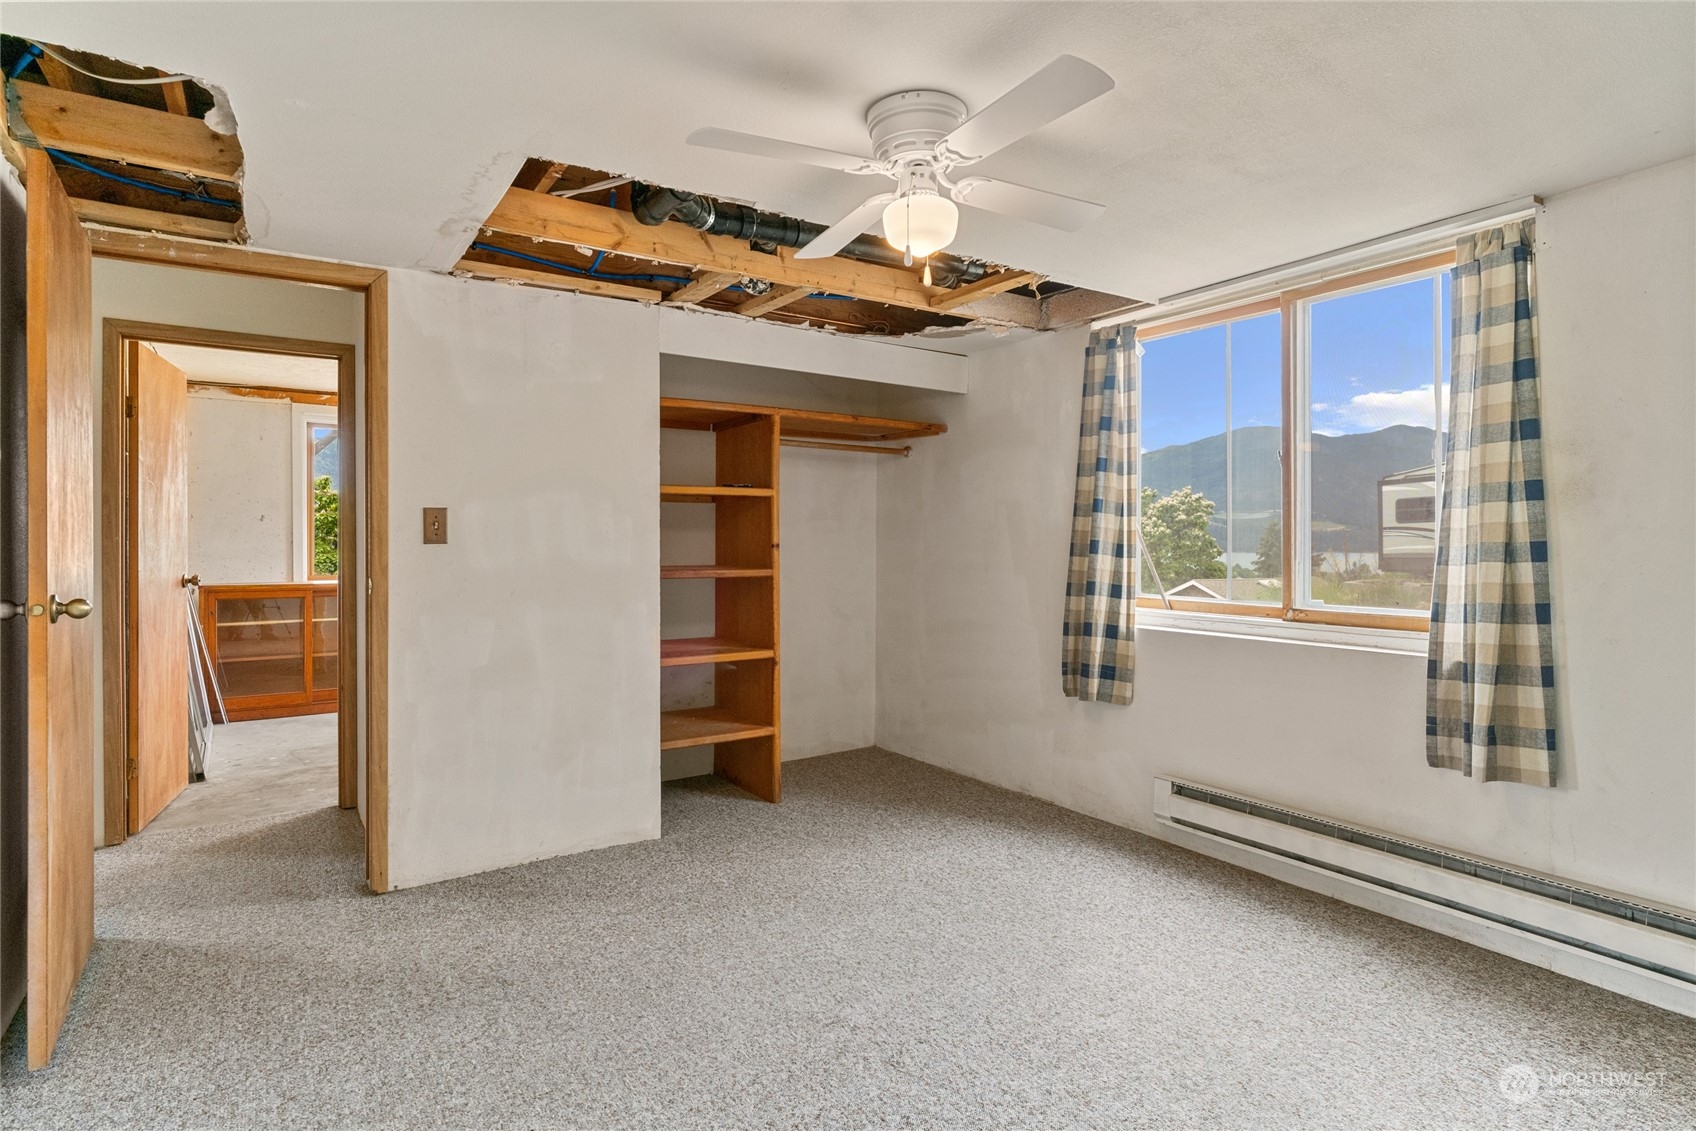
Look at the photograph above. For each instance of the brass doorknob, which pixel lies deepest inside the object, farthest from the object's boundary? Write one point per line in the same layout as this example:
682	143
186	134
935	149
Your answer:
190	579
76	608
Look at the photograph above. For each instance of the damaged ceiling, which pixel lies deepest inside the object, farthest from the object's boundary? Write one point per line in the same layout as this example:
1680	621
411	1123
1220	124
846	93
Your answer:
135	146
572	228
1238	137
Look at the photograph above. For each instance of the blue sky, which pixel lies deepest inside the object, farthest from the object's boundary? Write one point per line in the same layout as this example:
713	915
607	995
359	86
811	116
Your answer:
1371	368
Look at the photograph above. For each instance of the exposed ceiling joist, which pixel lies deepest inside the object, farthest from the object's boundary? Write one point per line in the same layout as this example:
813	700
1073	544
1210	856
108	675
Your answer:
176	98
772	300
706	284
559	220
983	288
149	220
99	127
557	280
63	77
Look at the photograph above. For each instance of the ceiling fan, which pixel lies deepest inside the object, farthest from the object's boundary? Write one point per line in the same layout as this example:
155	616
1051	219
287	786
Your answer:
920	138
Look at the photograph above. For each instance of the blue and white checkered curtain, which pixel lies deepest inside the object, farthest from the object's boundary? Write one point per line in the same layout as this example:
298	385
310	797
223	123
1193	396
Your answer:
1098	655
1490	701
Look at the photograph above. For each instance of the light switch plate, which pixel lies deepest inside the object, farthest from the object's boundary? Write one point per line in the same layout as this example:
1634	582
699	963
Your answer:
435	526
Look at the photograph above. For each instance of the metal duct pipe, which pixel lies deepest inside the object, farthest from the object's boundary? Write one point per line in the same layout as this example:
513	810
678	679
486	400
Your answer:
652	206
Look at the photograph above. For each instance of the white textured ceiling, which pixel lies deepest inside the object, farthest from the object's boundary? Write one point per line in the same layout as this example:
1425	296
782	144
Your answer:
216	366
1240	136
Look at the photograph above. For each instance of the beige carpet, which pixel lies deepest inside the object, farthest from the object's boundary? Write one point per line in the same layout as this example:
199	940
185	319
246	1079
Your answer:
893	946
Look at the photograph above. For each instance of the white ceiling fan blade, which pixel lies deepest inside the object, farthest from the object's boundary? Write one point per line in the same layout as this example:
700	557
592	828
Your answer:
1051	93
1050	208
840	234
757	146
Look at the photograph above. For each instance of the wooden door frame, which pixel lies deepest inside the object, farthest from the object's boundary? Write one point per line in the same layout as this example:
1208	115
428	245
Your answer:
370	416
118	642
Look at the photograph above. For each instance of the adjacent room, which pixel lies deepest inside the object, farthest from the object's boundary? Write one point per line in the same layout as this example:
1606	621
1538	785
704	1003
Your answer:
837	565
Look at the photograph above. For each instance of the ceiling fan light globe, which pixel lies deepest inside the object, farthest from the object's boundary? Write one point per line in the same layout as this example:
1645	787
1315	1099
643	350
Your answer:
922	222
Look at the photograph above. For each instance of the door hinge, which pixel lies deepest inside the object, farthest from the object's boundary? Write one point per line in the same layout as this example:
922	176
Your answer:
129	408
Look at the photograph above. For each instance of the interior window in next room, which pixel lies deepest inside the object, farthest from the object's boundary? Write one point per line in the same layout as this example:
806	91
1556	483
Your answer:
323	459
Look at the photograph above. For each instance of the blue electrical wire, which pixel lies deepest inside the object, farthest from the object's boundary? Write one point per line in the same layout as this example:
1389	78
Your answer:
178	193
30	55
592	273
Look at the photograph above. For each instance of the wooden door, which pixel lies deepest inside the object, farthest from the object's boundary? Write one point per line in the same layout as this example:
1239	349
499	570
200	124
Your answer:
158	530
59	330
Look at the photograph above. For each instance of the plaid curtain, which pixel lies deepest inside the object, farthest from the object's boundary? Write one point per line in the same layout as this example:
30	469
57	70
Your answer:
1490	699
1098	651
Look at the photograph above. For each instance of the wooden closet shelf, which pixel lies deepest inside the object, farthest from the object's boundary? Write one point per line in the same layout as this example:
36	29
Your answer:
709	650
702	726
684	572
712	416
690	493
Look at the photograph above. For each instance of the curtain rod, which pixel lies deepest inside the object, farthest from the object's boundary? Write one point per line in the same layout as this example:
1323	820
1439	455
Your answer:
1356	256
906	451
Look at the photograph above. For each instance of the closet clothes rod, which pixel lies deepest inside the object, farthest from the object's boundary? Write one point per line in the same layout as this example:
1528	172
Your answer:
788	443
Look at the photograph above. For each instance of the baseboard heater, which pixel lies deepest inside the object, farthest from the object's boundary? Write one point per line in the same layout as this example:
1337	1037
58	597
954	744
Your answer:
1645	951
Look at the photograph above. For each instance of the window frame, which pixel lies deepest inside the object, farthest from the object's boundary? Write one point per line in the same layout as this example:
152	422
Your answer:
1292	305
305	417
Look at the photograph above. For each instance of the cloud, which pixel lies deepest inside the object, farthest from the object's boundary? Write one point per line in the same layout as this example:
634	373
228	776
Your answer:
1368	412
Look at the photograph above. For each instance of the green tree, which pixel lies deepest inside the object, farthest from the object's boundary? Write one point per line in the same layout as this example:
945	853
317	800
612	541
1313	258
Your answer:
1269	555
323	526
1175	535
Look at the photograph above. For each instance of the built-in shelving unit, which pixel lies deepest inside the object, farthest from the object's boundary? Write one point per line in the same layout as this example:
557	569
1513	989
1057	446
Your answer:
743	725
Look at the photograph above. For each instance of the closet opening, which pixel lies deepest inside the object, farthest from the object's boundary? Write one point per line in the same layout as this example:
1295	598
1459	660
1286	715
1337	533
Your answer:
769	488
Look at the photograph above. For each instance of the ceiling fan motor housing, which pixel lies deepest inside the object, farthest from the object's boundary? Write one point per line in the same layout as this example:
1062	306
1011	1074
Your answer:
908	125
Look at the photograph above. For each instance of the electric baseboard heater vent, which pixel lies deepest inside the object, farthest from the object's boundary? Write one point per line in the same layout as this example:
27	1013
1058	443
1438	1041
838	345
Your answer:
1645	951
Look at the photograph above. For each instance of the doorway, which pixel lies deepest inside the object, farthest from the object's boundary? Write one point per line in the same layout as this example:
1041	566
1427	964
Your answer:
234	541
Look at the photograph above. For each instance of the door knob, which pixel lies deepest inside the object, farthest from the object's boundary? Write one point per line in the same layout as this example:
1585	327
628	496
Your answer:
190	579
10	609
76	608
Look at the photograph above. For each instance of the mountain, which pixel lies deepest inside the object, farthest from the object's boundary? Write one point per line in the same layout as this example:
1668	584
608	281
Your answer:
1346	470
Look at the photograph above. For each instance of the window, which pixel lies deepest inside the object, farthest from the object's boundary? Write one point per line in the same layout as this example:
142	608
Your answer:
1348	378
317	466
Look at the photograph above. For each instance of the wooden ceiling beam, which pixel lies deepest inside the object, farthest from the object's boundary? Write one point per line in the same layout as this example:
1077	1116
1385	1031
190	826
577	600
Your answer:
772	300
176	98
63	77
118	131
705	285
149	220
544	180
558	280
983	288
562	220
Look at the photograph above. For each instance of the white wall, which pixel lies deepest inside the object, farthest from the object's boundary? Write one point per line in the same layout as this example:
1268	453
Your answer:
240	488
827	526
141	292
523	655
972	547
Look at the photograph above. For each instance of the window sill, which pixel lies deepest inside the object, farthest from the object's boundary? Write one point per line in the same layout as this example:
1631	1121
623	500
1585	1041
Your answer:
1392	640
